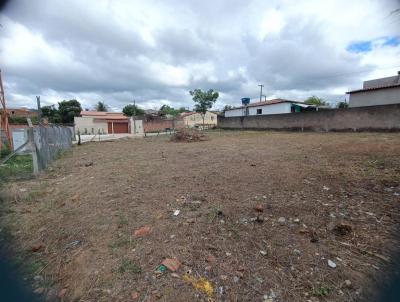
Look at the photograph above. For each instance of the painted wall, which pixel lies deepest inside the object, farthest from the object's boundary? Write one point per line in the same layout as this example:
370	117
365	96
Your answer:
234	112
372	118
266	109
86	124
192	120
375	97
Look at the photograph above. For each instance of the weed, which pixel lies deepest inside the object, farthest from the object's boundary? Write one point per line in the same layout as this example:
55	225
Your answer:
19	166
128	265
321	291
122	220
122	241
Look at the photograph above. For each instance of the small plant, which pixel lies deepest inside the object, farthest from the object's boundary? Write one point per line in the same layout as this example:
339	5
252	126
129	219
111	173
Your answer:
322	291
128	265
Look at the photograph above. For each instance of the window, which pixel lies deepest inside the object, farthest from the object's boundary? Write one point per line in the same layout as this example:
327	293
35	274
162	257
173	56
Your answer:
259	111
212	118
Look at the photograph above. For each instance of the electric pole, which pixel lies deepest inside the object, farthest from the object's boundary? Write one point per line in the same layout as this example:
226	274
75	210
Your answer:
134	116
261	86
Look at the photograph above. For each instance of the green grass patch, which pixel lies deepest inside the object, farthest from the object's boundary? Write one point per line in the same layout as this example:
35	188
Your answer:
129	266
19	166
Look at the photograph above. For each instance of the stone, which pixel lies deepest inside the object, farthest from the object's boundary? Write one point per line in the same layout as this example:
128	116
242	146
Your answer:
264	253
347	283
331	264
211	259
236	279
175	275
143	231
135	295
223	277
39	291
37	247
62	293
51	295
259	208
296	220
282	220
171	263
38	278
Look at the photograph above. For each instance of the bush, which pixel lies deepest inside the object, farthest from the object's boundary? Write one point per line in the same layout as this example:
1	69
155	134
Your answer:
5	150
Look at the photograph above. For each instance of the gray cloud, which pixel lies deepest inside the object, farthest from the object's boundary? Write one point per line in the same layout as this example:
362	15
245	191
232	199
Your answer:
157	51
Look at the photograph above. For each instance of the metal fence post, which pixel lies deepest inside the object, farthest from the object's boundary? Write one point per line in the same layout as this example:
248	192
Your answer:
31	140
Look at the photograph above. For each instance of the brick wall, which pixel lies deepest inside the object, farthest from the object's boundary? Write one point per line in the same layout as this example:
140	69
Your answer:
161	125
372	118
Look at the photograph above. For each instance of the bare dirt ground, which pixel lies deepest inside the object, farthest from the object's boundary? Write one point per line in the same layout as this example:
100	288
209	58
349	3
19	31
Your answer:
261	213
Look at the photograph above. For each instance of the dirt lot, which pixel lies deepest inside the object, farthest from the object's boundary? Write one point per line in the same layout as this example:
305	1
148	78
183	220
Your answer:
261	213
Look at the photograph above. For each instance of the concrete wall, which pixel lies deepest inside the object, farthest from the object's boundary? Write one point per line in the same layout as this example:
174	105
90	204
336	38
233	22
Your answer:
374	118
234	112
375	97
86	125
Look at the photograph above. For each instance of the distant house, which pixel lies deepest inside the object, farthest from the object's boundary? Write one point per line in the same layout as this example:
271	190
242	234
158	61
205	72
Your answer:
275	106
195	119
94	122
383	91
21	112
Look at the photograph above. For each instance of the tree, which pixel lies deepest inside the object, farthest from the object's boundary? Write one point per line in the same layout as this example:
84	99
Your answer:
101	106
227	107
165	109
51	113
130	110
313	100
68	110
204	100
342	104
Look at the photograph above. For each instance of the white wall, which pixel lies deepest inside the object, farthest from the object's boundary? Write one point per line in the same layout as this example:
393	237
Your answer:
87	123
271	109
234	112
375	97
266	109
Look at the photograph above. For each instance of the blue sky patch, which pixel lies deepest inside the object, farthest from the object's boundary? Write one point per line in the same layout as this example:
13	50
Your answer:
365	46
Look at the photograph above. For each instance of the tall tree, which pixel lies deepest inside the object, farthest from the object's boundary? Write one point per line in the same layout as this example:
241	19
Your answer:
68	110
130	110
204	100
101	106
314	100
51	113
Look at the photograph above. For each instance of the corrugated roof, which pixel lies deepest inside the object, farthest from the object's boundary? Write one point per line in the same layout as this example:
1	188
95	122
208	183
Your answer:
374	88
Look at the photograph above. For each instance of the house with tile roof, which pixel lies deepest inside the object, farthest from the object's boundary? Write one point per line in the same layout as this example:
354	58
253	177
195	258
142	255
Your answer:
383	91
275	106
94	122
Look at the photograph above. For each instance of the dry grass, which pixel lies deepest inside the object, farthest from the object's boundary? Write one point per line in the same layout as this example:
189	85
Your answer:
85	217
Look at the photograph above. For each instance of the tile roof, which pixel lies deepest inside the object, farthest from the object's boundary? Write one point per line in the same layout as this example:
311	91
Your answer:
105	115
374	88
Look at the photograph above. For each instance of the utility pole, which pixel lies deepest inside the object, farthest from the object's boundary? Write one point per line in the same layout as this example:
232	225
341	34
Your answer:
39	108
261	86
134	116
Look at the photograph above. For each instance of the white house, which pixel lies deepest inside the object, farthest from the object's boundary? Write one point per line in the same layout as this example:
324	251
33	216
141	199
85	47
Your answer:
275	106
383	91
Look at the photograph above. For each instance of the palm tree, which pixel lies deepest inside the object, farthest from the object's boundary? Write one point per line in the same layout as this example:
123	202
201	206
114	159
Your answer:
101	106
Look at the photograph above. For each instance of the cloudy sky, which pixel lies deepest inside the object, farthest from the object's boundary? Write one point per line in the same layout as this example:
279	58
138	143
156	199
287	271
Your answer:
156	51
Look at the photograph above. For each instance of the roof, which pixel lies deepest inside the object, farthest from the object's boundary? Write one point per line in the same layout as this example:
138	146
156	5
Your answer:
105	115
265	103
374	88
